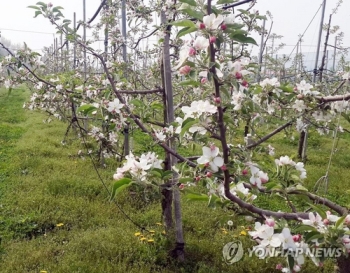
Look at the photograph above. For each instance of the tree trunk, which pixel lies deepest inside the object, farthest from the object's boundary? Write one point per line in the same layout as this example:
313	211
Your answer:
301	144
166	189
179	249
343	264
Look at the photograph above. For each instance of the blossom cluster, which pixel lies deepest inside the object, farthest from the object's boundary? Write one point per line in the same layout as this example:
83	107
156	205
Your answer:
138	167
277	236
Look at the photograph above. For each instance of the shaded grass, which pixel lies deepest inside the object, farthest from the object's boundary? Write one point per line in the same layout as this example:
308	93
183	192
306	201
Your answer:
55	214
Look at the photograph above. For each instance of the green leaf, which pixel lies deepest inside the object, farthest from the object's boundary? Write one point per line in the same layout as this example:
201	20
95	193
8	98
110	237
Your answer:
220	2
57	8
315	237
86	109
33	7
183	23
167	174
185	30
241	38
156	105
194	13
321	212
38	12
120	185
291	261
190	2
287	88
42	4
340	221
311	235
192	196
185	179
136	102
187	124
303	228
189	82
346	116
301	188
213	199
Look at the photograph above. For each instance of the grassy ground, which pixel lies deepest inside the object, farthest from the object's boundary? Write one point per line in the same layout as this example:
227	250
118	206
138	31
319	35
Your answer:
55	215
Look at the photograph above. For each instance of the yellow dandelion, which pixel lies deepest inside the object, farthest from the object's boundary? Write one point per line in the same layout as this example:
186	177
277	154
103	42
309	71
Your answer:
60	225
243	233
159	224
143	239
43	271
224	232
223	229
152	231
163	232
137	234
151	241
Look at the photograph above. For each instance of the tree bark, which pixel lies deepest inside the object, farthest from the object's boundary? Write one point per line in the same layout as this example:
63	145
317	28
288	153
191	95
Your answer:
178	252
343	264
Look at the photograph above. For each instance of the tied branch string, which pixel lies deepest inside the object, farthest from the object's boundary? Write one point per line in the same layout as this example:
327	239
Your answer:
75	119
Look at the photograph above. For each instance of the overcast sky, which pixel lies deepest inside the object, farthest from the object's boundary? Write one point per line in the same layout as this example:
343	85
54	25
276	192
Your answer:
290	17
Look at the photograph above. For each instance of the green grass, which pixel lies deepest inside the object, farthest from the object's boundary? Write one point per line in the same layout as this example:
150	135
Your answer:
43	184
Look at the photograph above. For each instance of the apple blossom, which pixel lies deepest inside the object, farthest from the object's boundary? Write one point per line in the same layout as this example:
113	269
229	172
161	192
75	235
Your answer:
258	177
299	105
210	155
115	106
201	43
212	21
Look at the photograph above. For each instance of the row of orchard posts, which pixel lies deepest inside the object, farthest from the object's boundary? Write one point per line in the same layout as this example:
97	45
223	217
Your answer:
304	134
298	65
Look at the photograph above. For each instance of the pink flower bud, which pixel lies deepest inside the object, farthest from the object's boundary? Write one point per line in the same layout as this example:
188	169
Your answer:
300	96
347	220
263	180
238	75
206	164
185	70
296	268
326	222
182	186
212	39
209	174
270	222
223	167
217	100
198	178
296	238
279	266
201	26
346	241
223	27
204	80
245	83
192	51
245	172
